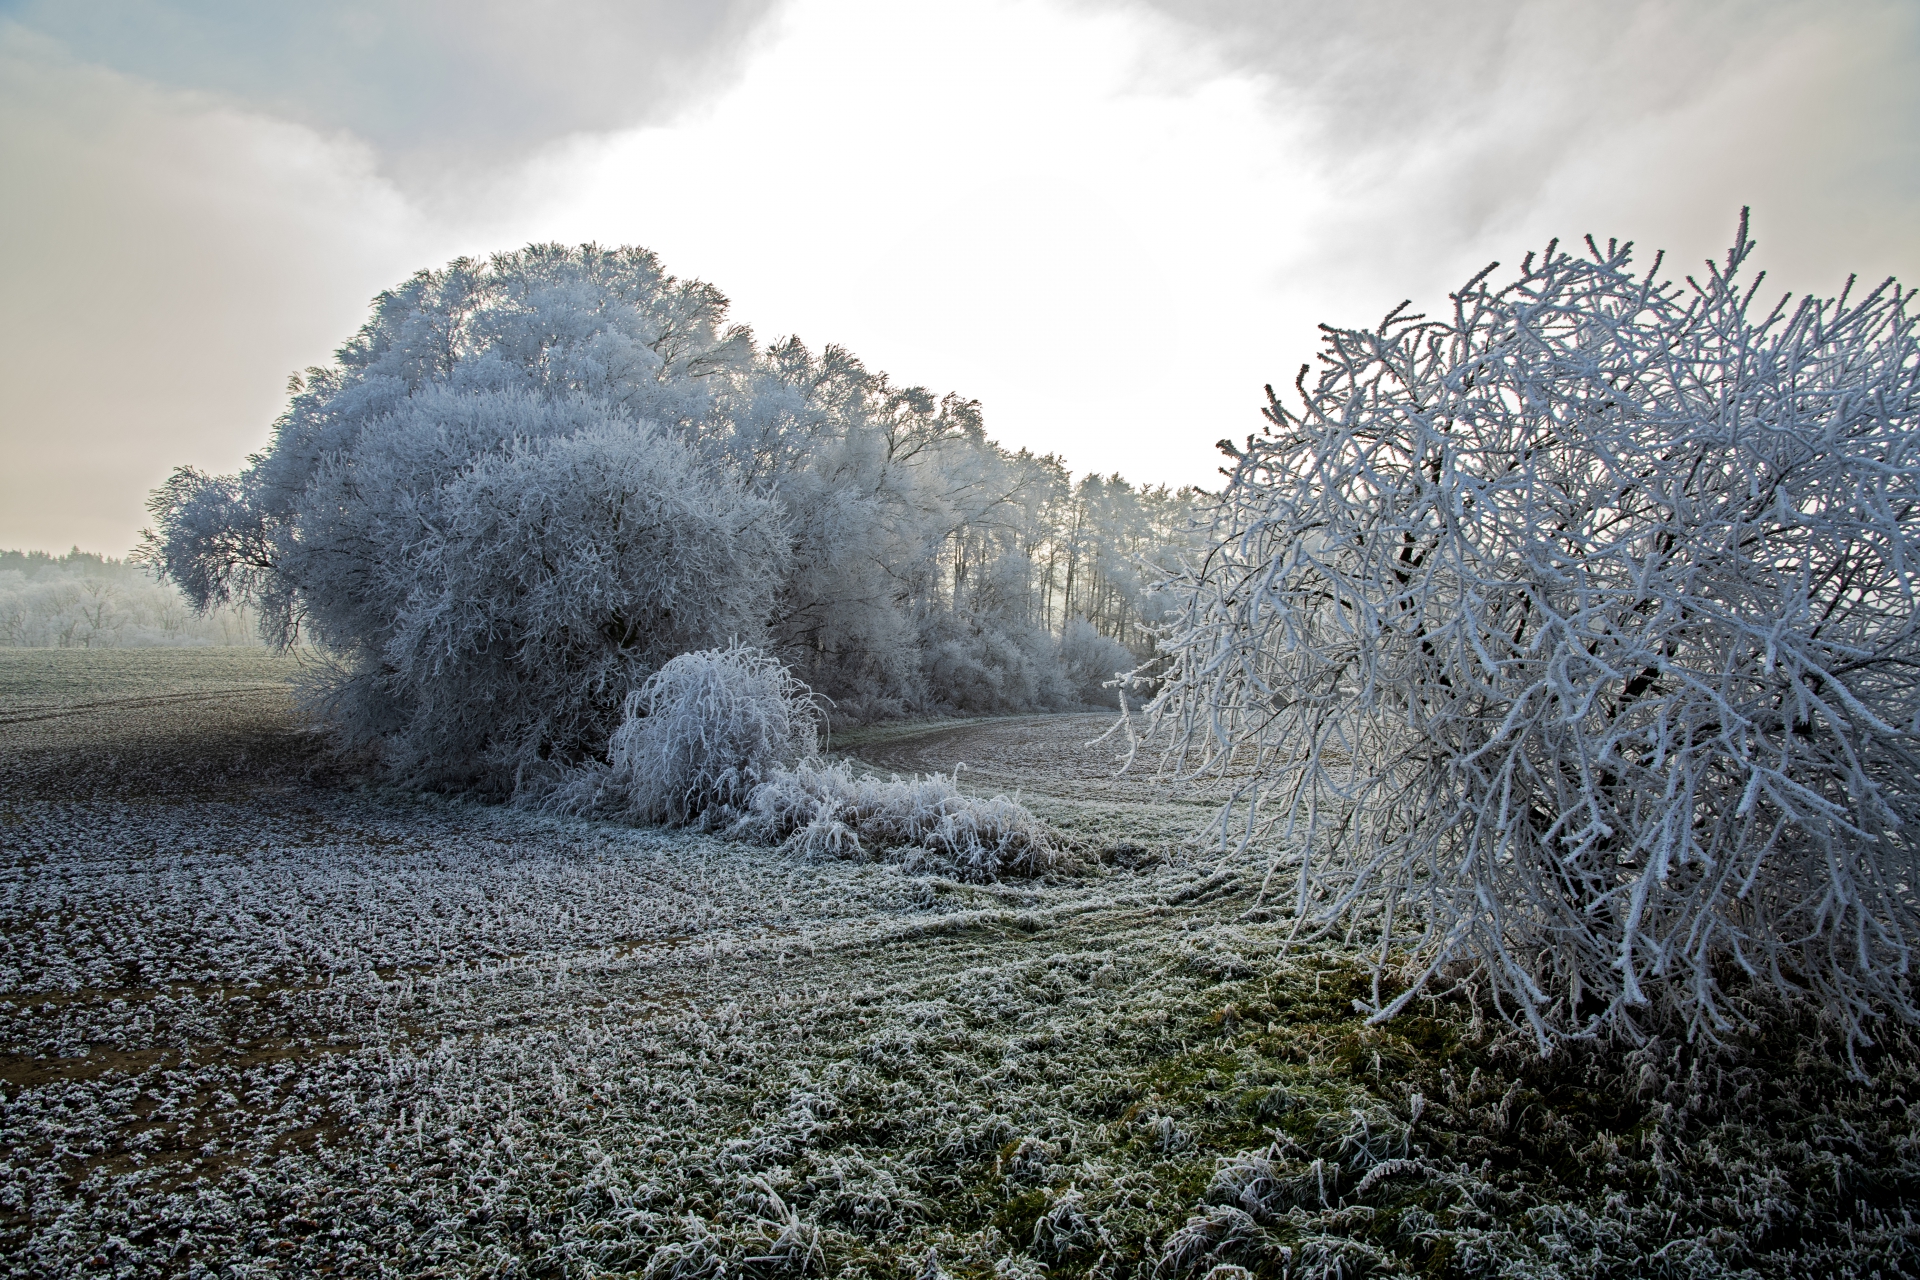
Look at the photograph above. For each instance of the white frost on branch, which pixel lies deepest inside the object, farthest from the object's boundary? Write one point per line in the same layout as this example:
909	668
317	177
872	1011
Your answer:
728	739
698	737
926	824
527	482
1575	635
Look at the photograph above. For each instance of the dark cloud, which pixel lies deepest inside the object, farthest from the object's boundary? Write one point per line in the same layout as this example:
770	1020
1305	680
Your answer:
1462	123
419	77
1385	73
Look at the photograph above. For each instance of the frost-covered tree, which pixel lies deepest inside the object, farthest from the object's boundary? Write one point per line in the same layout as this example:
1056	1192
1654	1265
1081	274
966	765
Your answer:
878	484
1110	548
529	482
1092	662
488	513
1575	636
917	575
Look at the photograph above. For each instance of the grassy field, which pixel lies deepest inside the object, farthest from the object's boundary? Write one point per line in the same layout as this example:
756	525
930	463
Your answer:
33	679
258	1015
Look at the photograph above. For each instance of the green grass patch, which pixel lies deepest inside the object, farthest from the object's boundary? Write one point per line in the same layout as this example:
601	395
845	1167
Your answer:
1270	1128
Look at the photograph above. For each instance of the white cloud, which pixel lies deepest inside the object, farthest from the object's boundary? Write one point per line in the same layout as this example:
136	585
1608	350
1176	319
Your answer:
1450	135
1114	224
1109	223
1055	212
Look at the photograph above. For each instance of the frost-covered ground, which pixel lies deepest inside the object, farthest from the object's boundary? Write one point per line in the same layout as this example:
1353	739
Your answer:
258	1017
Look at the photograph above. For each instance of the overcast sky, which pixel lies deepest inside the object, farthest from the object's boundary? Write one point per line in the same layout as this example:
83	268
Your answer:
1110	223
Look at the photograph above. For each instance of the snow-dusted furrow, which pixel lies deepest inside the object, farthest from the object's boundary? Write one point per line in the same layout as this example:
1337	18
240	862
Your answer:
303	1026
54	711
256	1018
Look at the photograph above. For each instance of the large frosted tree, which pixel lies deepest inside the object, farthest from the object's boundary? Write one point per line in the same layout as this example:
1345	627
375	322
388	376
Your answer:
488	515
1575	635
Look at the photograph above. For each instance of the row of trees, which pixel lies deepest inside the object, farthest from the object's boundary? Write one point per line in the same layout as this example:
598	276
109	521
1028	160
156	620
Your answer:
1571	639
85	601
528	483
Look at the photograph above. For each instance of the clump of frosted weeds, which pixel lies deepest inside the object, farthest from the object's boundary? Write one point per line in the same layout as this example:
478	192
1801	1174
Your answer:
730	738
697	738
823	809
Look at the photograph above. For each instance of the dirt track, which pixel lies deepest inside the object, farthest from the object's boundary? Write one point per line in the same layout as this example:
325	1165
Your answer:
1067	757
1049	754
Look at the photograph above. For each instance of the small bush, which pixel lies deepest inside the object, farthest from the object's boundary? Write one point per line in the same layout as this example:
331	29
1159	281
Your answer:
931	825
1090	660
698	737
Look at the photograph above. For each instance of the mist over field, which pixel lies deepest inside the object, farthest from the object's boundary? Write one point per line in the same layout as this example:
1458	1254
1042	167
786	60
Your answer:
84	601
1173	640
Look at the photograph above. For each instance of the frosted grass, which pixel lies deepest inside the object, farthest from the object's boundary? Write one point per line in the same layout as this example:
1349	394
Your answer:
473	1035
250	1023
925	823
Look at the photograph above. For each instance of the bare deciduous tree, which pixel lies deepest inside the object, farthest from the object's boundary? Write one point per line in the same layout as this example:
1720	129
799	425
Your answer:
1576	635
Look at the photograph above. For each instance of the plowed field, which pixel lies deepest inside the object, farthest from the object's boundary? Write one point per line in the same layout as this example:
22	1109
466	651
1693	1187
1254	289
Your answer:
258	1015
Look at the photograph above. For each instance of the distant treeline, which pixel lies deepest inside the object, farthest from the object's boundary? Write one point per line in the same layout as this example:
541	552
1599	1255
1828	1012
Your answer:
85	601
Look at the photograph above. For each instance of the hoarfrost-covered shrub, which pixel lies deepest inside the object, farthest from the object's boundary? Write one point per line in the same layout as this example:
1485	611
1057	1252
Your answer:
567	568
705	730
502	608
991	666
927	824
1090	660
1576	636
730	738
